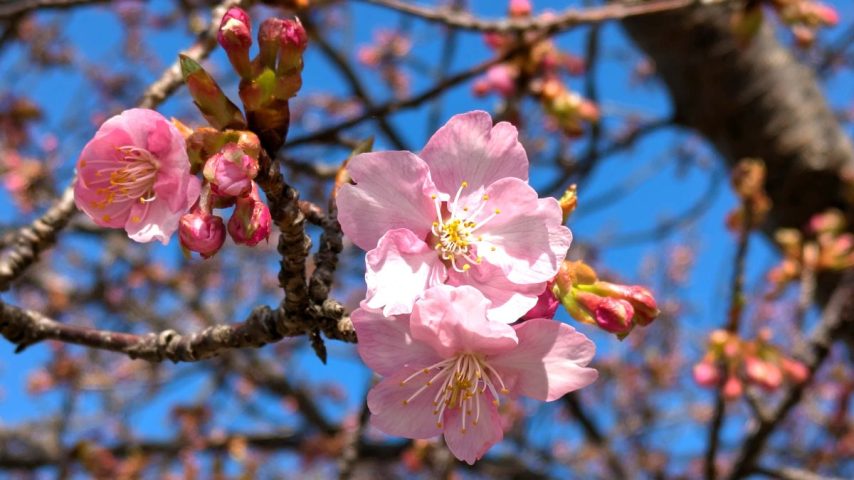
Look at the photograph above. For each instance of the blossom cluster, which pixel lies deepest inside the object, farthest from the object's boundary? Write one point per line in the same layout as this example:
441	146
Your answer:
140	170
731	361
459	247
538	71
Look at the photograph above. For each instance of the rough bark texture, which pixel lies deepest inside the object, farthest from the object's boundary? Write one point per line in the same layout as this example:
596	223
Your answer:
751	101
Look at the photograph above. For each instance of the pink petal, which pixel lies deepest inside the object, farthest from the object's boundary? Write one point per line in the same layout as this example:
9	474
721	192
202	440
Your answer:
528	238
152	221
399	270
453	320
471	445
468	148
549	361
385	344
392	416
509	301
390	192
113	215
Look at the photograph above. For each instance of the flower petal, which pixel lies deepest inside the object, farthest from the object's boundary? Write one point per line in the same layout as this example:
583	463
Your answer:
526	240
471	444
509	301
391	192
453	320
396	413
549	361
385	344
399	269
468	148
152	221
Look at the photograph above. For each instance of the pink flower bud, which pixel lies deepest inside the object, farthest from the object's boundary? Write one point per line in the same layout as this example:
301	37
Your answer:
706	373
639	297
293	40
765	374
520	8
732	388
611	314
795	370
231	171
201	232
268	41
546	305
502	80
235	37
251	222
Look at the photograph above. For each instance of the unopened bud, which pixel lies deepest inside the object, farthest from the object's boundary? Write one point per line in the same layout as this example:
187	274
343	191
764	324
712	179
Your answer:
268	41
610	314
520	8
569	201
201	232
732	388
293	40
230	172
706	373
546	305
795	370
235	37
251	221
763	373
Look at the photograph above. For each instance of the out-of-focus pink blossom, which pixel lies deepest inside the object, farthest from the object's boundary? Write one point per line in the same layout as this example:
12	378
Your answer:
446	367
135	174
706	373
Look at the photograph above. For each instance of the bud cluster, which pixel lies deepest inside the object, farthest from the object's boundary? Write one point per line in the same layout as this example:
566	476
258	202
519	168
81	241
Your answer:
732	362
612	307
804	17
748	181
539	71
825	246
228	160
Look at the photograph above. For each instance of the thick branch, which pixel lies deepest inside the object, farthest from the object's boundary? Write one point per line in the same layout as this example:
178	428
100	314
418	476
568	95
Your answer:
25	327
553	23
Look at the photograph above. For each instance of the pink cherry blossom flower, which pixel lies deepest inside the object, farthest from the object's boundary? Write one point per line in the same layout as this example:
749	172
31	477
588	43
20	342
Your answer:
135	174
446	367
461	212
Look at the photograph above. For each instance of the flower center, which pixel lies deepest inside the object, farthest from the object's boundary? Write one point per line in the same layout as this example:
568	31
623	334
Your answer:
463	380
455	233
132	178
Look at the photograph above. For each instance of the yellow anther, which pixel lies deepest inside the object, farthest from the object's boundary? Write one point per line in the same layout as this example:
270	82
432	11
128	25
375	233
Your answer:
466	267
497	211
464	184
486	197
105	218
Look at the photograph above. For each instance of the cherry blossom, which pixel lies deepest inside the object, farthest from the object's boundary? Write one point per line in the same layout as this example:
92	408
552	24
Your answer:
461	212
446	367
135	174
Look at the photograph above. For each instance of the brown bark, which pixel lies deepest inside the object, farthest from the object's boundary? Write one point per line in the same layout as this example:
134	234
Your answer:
751	101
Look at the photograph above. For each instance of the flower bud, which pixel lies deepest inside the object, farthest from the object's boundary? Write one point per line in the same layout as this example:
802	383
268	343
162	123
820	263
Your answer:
795	370
763	373
611	314
520	8
268	41
293	40
546	305
706	373
235	37
230	172
732	388
251	222
201	232
568	201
